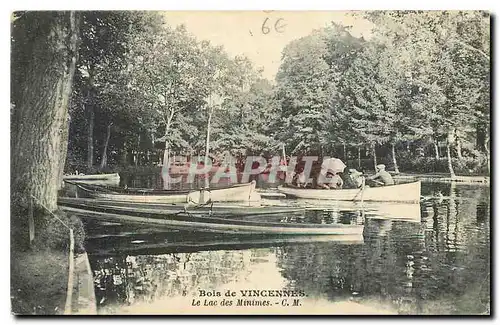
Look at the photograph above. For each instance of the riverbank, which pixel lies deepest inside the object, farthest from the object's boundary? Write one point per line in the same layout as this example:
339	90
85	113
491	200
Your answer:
442	178
84	301
39	280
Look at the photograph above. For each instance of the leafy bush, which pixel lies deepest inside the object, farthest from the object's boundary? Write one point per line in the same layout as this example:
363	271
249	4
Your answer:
464	166
54	235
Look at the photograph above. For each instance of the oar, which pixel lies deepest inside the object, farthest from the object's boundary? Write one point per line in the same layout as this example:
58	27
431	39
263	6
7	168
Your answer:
361	191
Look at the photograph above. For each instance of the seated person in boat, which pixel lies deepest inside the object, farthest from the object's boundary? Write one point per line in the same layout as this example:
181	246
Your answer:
330	181
353	179
381	178
299	178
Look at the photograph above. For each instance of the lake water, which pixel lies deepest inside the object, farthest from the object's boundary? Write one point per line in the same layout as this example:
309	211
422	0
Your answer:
437	262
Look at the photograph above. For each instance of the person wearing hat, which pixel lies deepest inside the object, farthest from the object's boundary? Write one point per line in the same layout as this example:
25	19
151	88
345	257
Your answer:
330	181
382	177
299	178
353	179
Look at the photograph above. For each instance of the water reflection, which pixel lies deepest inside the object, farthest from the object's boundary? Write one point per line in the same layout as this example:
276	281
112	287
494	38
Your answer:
438	265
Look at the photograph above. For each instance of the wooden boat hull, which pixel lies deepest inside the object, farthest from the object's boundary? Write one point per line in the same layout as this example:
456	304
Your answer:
175	198
237	193
188	222
409	192
218	210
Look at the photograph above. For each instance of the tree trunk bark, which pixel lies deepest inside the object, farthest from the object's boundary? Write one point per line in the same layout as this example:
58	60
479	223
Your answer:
345	153
374	154
39	142
459	149
448	155
393	149
166	153
166	164
458	144
359	157
40	117
487	149
207	146
436	149
125	154
104	160
138	151
90	137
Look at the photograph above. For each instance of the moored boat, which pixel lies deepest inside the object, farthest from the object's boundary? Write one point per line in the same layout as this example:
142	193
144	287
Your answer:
235	193
95	179
185	221
217	209
409	192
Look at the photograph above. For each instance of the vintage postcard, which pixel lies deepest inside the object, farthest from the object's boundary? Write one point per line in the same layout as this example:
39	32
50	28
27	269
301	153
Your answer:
250	162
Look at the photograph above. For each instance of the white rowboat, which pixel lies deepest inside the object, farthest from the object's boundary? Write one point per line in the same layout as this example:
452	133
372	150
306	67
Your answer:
409	193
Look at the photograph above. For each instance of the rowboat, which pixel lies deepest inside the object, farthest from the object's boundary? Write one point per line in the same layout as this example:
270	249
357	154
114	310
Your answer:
236	193
96	179
409	192
186	221
217	209
130	195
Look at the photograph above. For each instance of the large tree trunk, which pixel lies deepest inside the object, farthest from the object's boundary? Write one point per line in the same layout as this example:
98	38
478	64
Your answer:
41	112
104	160
396	168
40	118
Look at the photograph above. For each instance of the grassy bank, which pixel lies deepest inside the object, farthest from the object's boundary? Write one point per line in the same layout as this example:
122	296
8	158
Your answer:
39	274
39	281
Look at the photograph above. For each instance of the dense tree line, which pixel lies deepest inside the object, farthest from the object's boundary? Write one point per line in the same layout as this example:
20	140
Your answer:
144	87
422	78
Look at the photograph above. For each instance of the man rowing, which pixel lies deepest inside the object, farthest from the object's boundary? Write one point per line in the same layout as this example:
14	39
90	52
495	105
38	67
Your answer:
381	178
354	179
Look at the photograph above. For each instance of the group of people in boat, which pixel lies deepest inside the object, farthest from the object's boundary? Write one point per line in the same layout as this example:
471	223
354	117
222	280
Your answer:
351	179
